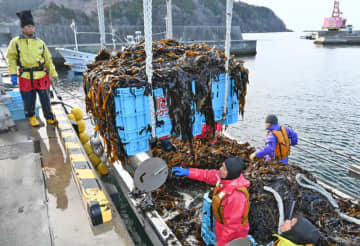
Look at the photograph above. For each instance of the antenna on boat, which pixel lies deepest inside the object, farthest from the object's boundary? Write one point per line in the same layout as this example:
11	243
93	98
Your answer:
73	27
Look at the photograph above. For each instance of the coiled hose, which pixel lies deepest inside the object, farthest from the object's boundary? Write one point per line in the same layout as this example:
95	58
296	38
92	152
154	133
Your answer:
315	187
280	205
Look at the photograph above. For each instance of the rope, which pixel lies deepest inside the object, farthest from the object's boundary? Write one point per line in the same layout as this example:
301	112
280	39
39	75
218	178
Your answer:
147	6
229	8
100	9
169	27
323	158
331	150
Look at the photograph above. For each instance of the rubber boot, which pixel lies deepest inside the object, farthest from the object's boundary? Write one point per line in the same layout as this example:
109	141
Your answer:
51	122
33	121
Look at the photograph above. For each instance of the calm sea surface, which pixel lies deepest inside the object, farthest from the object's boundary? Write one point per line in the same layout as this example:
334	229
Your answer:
313	89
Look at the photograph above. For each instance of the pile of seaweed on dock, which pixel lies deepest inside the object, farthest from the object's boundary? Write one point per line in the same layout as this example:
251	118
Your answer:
184	218
175	67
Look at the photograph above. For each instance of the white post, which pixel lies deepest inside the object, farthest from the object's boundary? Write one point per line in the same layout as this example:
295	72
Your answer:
229	8
169	25
147	6
100	9
73	27
113	38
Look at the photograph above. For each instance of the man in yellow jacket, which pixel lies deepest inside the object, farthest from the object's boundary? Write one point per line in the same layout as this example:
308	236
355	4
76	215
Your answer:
30	60
297	232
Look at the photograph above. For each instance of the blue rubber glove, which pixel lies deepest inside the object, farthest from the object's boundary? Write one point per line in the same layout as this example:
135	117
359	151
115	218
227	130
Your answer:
179	171
14	79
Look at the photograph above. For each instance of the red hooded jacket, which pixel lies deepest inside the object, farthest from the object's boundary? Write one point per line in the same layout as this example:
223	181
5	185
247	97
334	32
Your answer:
235	204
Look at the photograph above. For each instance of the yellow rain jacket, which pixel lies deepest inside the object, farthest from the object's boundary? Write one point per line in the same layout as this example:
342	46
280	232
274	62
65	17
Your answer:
281	241
29	53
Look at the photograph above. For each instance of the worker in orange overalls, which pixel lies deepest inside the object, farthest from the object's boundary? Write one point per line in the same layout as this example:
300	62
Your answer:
230	202
277	142
30	60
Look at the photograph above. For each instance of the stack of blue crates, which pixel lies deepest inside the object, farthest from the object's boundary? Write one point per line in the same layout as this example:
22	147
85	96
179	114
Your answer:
162	113
196	129
132	119
16	107
208	222
218	96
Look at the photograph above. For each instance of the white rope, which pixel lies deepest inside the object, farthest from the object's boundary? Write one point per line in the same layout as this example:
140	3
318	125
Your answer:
229	9
100	9
169	27
147	5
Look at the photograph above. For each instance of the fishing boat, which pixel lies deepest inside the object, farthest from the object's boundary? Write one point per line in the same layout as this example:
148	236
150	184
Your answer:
76	60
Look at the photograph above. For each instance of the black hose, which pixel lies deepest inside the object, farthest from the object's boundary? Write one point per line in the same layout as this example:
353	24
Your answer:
62	103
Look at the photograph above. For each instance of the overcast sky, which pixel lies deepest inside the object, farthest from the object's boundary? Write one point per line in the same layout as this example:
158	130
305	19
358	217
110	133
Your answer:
300	15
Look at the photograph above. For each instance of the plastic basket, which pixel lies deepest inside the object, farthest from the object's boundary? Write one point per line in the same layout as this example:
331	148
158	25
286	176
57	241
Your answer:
19	114
137	146
132	116
218	91
208	222
16	101
131	100
162	113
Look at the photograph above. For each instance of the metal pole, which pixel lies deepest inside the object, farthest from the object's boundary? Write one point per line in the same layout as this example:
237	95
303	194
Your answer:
100	9
323	158
113	38
169	26
73	27
331	150
229	8
147	6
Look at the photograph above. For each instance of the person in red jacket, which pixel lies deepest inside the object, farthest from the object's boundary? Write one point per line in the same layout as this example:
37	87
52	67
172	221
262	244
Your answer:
230	201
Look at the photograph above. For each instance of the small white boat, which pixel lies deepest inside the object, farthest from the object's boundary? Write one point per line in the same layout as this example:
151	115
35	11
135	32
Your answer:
77	60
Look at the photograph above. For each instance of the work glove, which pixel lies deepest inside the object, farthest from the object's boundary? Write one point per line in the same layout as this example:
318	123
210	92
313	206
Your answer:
253	156
14	80
55	80
179	171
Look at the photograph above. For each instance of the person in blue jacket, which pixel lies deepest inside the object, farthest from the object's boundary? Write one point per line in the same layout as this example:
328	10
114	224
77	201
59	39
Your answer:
277	142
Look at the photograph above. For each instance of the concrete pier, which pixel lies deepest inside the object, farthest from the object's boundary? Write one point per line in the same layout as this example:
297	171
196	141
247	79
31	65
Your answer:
338	37
41	204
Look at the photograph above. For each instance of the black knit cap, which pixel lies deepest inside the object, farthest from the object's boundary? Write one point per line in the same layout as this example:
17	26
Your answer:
272	119
26	18
302	232
234	167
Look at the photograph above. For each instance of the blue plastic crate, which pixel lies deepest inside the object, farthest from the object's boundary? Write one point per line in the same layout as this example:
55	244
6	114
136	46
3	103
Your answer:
137	146
132	117
218	91
231	118
197	126
19	114
133	122
207	228
131	100
162	113
128	136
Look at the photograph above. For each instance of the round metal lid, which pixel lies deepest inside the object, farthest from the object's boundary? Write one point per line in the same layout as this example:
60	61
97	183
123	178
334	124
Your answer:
151	174
239	242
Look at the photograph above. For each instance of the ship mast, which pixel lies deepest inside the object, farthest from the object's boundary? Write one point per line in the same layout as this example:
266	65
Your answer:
336	11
